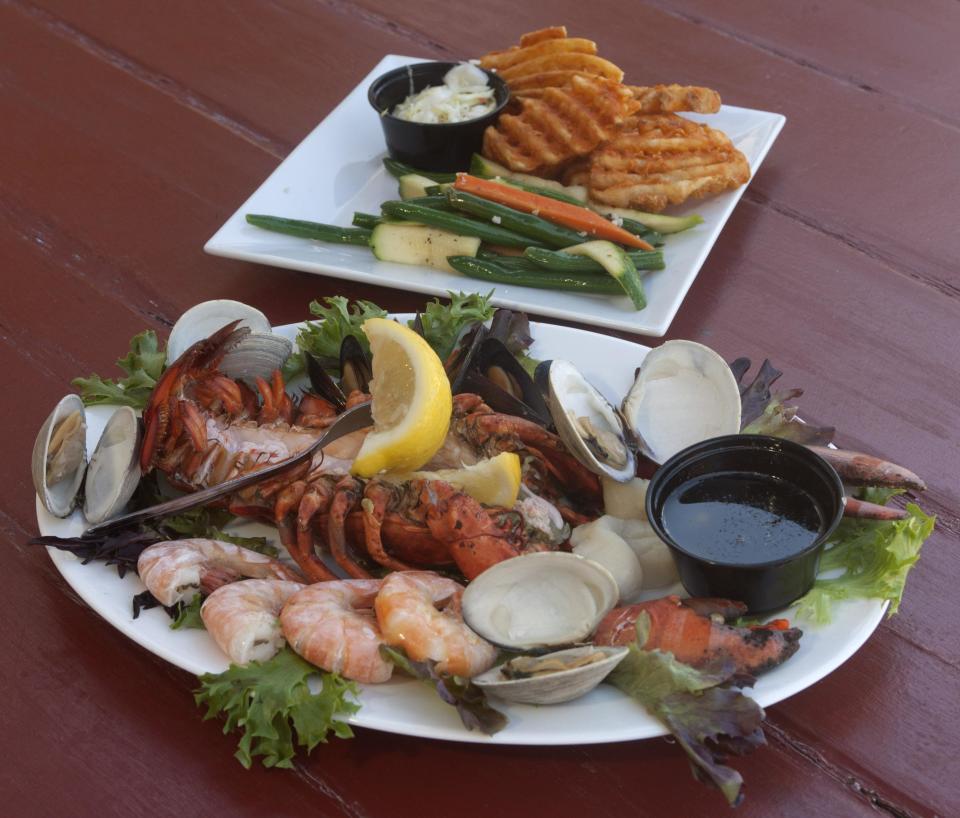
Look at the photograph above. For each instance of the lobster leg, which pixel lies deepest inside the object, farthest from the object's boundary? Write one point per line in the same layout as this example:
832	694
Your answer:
346	495
377	498
301	545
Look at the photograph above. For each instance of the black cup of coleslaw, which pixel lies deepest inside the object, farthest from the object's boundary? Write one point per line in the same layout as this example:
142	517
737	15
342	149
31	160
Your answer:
430	146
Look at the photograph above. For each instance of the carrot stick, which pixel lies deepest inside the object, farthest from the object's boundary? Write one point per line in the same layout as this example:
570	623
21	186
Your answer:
562	213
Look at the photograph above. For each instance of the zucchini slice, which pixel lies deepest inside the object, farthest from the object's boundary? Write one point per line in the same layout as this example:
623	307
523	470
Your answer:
655	221
419	244
617	263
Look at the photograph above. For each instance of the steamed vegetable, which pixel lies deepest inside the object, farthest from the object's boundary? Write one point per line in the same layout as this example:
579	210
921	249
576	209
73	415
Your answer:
272	706
311	230
491	271
573	216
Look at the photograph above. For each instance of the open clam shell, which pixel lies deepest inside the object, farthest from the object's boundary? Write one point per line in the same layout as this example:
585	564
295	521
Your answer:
557	686
60	456
539	601
114	470
256	355
205	318
586	422
684	393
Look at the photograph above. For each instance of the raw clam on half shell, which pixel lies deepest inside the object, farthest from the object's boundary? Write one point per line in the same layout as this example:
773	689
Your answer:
552	678
539	601
60	456
586	422
684	393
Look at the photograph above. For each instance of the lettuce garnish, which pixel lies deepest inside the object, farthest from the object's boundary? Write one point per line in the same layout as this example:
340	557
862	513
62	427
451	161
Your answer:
144	364
876	557
708	718
441	325
271	704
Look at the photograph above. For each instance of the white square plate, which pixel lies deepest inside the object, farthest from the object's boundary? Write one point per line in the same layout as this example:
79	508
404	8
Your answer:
337	170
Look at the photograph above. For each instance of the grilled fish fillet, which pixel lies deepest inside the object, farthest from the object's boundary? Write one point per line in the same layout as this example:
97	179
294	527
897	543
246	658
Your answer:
561	125
662	159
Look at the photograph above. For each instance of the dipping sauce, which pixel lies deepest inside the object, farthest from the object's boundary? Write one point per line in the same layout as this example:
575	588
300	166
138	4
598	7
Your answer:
465	94
742	518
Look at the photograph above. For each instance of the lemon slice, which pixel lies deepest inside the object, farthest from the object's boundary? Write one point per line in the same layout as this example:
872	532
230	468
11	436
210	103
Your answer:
412	401
493	482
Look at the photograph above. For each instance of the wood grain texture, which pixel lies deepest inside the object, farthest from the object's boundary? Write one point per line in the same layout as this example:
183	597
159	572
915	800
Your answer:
130	136
896	49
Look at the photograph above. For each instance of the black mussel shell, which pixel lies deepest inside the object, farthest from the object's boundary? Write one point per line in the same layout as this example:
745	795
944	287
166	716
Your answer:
497	376
322	384
460	360
355	369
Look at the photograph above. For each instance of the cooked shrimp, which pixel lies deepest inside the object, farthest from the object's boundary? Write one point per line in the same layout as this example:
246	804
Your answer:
177	570
243	617
409	618
331	625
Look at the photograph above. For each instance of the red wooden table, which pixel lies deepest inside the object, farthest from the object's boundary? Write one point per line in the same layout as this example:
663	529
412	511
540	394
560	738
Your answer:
129	133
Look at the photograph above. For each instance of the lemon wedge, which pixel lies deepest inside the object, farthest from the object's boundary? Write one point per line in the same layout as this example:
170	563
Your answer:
493	482
411	404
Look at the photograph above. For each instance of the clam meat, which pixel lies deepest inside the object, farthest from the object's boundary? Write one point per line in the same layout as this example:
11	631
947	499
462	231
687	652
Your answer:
586	422
551	678
60	456
684	392
539	601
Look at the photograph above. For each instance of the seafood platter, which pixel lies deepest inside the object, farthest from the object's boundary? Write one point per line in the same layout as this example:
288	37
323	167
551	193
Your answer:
537	168
455	524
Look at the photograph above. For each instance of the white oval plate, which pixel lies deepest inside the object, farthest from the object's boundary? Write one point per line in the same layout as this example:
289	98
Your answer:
409	707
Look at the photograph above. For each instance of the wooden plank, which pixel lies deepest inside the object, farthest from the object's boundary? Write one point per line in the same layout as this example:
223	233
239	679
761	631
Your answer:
897	49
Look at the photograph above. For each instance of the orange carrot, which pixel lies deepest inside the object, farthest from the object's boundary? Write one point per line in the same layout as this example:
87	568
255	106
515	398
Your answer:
553	210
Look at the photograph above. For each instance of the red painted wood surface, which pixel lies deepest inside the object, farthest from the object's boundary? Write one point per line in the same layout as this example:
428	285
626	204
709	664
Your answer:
128	136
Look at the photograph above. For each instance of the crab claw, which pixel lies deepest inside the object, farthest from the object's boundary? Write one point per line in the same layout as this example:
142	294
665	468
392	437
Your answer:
871	511
859	469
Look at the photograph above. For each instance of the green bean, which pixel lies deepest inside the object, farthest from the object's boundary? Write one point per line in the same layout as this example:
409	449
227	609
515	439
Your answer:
455	223
491	271
647	234
542	231
311	230
398	169
568	263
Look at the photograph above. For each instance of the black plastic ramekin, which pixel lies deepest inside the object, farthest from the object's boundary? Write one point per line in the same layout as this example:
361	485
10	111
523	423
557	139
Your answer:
444	146
762	586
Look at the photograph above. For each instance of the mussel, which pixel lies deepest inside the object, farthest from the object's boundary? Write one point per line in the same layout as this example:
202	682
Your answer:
355	372
539	601
684	392
485	363
586	422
